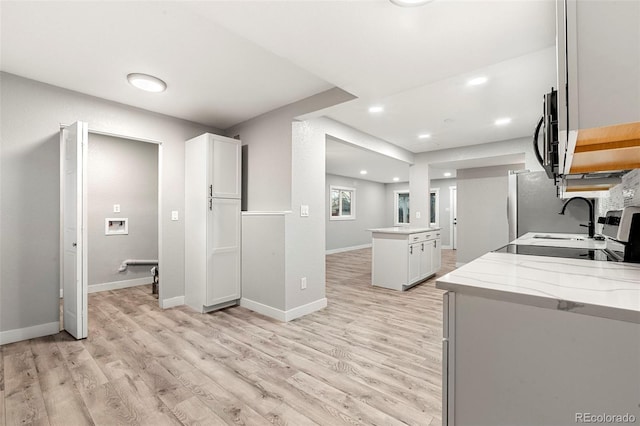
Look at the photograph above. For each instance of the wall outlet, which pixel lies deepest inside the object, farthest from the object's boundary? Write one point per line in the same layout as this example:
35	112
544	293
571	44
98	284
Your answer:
417	215
303	283
174	215
304	210
116	208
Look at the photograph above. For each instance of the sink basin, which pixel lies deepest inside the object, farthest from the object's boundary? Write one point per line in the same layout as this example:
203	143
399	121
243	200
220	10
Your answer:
553	237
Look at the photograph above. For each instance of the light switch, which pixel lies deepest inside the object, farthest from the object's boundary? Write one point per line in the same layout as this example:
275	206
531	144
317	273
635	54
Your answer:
417	215
304	210
174	215
116	208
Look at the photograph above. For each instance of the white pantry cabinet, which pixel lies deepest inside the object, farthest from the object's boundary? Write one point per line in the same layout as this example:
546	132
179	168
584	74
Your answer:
404	257
212	222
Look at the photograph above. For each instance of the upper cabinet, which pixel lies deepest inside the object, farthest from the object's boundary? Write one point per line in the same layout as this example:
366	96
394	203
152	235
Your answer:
598	47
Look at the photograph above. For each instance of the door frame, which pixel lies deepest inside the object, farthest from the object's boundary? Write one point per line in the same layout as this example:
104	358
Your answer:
85	210
453	207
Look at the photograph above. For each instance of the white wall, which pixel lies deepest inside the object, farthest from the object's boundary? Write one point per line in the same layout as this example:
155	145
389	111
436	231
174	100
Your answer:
371	208
123	172
30	195
482	210
419	171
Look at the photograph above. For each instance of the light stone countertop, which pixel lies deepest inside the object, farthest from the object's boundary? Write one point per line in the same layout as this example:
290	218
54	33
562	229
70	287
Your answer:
405	230
559	240
590	287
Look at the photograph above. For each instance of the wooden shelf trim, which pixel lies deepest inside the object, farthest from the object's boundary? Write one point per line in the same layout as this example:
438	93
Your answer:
607	149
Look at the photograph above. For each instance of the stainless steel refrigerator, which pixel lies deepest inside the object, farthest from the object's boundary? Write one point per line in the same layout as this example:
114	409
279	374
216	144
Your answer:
532	206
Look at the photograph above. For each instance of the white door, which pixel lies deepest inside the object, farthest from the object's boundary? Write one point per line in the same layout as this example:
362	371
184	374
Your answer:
226	157
73	149
223	251
454	217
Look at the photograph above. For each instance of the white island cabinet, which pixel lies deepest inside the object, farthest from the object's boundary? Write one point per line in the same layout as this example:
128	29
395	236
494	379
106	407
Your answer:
532	340
404	256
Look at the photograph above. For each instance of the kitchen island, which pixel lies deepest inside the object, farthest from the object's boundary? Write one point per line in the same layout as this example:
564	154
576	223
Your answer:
404	256
540	340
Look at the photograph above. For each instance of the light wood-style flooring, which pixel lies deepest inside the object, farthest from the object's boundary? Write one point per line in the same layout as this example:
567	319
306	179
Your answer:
372	357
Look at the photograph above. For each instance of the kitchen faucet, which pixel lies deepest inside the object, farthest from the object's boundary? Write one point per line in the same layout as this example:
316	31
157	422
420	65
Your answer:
591	225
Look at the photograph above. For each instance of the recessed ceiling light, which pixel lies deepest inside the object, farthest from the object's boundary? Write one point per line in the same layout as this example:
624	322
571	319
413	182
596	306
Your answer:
376	108
147	82
410	3
363	172
396	179
477	81
424	136
502	121
447	174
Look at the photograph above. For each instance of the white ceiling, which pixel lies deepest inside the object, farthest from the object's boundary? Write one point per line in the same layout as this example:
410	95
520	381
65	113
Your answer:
228	61
344	159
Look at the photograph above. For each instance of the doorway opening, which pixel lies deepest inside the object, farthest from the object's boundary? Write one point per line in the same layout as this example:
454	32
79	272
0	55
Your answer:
110	218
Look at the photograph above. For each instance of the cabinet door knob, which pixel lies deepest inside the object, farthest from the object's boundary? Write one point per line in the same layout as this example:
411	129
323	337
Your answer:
422	246
411	250
435	243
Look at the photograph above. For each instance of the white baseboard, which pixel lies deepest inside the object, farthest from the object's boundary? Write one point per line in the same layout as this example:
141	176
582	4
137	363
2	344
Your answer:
61	293
341	250
116	285
447	247
459	264
263	309
307	309
174	301
281	315
26	333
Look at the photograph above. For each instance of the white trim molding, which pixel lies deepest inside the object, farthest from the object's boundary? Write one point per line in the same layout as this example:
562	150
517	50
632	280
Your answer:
170	303
19	334
343	249
281	315
307	309
116	285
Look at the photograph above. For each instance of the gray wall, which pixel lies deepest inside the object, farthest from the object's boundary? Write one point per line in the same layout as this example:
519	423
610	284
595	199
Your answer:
482	210
263	259
285	169
123	172
30	195
445	208
370	213
267	151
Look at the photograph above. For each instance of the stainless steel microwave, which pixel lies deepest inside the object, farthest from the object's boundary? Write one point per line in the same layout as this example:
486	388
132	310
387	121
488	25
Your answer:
546	151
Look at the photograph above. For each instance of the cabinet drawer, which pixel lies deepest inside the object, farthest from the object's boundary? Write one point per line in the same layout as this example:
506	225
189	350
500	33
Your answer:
418	238
433	235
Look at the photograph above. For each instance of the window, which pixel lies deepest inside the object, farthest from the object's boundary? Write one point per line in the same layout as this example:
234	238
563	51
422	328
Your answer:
342	203
401	208
434	204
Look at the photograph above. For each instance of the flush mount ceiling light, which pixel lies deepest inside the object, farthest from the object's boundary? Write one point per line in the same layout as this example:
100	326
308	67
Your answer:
410	3
376	109
477	81
363	172
502	121
424	136
146	82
